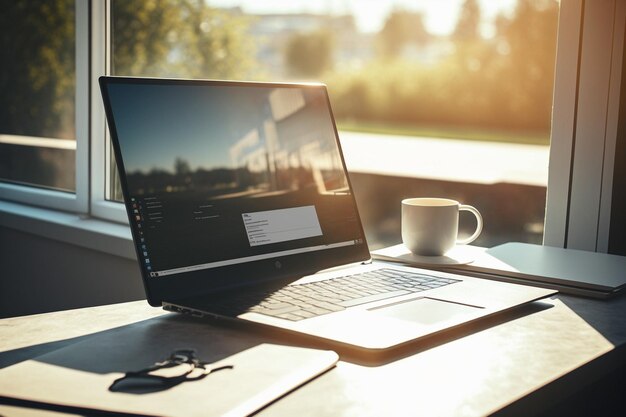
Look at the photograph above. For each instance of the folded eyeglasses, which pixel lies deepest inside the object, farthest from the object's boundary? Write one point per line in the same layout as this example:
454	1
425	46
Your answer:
181	366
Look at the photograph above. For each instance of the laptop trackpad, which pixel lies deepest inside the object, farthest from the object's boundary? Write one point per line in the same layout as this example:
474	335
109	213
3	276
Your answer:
425	310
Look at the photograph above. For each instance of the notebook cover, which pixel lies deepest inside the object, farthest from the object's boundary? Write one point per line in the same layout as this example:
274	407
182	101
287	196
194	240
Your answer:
77	378
576	268
568	270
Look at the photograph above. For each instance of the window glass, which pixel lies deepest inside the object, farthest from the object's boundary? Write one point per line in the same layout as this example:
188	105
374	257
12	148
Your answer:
37	93
443	99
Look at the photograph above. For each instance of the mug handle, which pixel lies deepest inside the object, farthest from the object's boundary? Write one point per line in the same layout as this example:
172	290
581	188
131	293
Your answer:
479	224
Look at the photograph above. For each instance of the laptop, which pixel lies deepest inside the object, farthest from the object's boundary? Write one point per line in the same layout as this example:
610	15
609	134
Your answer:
241	207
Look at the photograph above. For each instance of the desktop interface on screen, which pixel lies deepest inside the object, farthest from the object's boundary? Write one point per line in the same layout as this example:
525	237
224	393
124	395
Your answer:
218	175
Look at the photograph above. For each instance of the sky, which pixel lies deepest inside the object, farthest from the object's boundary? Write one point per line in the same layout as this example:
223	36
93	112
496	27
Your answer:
156	124
440	15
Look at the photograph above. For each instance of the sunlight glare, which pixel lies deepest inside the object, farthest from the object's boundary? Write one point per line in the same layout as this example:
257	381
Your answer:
440	16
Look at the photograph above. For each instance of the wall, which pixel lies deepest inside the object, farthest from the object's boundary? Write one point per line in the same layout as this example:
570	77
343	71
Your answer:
39	275
617	235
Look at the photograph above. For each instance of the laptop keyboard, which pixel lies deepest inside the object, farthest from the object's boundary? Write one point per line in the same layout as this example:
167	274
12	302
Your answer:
301	301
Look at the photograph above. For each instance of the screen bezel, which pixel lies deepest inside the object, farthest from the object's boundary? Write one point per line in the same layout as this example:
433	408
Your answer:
190	284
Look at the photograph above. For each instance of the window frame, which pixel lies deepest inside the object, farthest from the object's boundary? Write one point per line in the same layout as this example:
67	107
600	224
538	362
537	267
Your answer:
584	124
100	141
575	217
78	201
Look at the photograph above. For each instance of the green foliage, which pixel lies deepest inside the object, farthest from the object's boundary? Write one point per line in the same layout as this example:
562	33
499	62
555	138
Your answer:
309	54
402	28
179	38
143	33
499	83
504	83
468	25
183	38
37	80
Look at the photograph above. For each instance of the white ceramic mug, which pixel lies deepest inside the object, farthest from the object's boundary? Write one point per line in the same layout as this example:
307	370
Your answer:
430	226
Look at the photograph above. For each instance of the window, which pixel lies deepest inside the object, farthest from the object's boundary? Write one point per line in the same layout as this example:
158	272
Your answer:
39	101
384	64
37	131
454	101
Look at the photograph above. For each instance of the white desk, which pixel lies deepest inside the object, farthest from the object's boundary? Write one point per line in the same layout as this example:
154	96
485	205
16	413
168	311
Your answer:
523	363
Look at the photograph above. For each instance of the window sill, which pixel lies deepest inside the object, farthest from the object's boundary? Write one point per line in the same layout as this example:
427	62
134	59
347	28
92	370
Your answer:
99	235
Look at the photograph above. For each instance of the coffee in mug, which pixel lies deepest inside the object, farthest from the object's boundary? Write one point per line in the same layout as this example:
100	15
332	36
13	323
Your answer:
430	226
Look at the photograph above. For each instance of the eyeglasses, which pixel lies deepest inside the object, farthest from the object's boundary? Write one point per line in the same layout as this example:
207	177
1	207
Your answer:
181	366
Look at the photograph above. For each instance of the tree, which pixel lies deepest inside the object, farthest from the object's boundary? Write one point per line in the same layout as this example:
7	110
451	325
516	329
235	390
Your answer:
184	38
468	26
502	83
144	32
181	167
37	80
529	39
402	28
150	38
309	54
216	43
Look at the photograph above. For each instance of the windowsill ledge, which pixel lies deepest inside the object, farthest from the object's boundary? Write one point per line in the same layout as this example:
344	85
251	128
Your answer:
87	232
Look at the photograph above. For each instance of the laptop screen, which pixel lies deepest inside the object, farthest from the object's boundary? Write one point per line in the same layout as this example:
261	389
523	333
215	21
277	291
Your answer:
220	174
